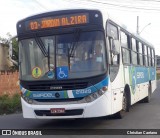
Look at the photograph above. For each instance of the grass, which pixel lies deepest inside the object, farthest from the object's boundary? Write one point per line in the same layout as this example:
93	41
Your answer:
158	76
10	104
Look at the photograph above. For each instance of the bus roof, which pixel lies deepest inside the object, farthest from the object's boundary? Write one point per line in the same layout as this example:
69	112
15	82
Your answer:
105	16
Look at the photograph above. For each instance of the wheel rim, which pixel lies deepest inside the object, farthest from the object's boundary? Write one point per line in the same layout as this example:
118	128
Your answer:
124	103
149	92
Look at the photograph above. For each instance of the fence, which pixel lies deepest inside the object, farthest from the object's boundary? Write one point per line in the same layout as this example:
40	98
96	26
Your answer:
9	83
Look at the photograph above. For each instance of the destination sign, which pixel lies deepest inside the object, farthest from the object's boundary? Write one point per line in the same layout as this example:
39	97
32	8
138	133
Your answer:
57	21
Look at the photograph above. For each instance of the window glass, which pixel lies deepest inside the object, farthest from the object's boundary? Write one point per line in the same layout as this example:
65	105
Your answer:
124	40
126	56
140	59
149	51
153	62
140	47
134	58
134	45
112	31
149	61
145	50
152	53
146	60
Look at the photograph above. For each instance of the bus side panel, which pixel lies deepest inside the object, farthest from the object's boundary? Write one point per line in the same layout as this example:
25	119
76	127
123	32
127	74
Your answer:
117	87
153	78
154	85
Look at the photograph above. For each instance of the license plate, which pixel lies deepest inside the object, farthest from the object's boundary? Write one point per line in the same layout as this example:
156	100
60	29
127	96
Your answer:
57	110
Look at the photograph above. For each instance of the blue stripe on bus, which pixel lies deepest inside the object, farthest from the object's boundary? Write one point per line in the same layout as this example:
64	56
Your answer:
140	75
65	94
144	74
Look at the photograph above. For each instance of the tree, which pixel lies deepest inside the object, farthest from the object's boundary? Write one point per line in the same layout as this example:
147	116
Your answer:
15	48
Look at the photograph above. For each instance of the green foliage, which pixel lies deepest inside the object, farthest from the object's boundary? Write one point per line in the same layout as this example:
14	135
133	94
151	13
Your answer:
9	104
15	48
158	76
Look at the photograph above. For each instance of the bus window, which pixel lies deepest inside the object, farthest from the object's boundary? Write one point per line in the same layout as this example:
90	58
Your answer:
126	56
134	52
124	42
140	53
145	56
125	49
153	58
149	56
112	31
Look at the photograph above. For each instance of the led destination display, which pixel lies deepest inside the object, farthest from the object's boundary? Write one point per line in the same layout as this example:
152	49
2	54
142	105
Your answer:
58	21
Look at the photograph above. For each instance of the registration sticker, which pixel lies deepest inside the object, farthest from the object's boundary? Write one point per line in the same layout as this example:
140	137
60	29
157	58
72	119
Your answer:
36	72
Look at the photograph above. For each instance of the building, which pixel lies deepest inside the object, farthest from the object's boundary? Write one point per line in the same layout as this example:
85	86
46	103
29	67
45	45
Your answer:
5	63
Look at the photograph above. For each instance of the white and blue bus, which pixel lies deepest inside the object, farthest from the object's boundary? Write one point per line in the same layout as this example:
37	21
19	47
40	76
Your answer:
80	64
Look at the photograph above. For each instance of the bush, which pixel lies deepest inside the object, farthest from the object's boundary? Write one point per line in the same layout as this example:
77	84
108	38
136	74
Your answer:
158	76
10	104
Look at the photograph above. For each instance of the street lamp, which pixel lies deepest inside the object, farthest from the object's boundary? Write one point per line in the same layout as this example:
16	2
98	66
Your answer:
144	28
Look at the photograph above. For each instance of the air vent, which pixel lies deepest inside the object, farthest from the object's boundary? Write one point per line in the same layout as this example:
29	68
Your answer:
57	86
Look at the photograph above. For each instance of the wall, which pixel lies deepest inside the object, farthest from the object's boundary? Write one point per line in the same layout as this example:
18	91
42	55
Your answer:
9	83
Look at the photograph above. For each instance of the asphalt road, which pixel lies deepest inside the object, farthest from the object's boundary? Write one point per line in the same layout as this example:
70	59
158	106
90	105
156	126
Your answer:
141	116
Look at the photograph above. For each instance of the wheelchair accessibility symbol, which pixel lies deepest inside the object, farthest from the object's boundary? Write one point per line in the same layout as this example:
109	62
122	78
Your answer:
62	72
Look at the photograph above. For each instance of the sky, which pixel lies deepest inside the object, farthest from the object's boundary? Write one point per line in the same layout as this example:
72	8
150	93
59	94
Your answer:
126	11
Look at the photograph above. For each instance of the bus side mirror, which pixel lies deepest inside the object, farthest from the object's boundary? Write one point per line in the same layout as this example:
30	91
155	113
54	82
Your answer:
115	47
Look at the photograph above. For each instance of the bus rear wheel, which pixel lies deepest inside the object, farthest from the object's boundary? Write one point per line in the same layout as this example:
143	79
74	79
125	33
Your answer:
148	98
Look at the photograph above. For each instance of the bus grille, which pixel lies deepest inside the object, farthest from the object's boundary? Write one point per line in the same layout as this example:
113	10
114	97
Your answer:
58	86
59	100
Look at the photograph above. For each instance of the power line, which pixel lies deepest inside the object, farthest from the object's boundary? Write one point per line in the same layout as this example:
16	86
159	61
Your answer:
123	6
42	6
115	5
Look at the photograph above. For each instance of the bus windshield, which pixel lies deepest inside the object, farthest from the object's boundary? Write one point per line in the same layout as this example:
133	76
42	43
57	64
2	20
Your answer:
74	55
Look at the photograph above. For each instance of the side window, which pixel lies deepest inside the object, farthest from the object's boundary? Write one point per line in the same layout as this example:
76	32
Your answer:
145	55
124	41
149	56
112	34
153	58
112	31
140	53
134	51
125	49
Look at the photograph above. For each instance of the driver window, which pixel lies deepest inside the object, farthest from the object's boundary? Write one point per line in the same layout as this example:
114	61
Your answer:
112	34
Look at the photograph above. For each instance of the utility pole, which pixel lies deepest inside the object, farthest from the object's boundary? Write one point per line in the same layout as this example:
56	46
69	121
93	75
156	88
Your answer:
137	25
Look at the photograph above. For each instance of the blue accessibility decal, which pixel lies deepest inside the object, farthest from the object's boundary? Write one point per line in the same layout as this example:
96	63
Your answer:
62	72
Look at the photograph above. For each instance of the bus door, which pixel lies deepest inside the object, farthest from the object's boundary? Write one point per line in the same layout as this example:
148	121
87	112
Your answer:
115	70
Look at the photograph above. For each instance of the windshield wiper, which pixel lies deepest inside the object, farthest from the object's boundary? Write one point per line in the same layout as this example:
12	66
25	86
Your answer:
75	42
48	57
43	49
41	46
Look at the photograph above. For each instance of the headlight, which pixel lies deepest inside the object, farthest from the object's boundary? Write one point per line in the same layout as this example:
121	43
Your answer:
94	96
28	100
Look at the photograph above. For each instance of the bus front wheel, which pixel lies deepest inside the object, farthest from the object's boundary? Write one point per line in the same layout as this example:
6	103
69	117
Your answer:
125	107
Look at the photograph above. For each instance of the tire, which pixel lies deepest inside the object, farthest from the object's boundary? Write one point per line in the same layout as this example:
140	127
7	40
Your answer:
148	98
125	107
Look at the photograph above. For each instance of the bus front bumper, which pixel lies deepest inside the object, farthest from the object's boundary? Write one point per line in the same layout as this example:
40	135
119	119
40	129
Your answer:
97	108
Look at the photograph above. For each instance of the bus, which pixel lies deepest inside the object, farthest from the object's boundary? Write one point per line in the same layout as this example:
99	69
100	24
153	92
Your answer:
79	63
